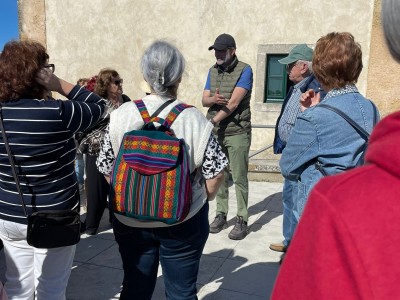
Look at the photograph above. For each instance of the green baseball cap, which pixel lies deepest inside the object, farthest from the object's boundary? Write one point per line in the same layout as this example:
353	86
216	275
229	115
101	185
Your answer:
299	52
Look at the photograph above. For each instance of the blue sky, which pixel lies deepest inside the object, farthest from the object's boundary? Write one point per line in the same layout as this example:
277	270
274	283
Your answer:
8	21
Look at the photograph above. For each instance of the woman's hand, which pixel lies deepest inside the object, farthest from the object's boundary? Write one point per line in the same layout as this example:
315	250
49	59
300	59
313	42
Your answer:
46	78
51	82
308	99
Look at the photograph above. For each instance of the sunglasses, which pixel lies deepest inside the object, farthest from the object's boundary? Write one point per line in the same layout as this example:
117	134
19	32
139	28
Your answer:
118	82
51	66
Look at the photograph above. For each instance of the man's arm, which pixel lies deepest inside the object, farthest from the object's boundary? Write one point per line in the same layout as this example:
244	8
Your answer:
237	96
209	101
243	86
301	148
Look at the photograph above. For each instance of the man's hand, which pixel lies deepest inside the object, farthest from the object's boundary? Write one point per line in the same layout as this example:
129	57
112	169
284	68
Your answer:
217	98
308	99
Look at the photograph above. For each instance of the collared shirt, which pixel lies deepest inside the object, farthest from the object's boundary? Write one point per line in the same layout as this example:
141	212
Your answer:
348	88
292	109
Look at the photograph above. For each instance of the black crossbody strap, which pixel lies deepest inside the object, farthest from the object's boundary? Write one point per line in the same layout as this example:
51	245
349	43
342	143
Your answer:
161	108
12	164
364	134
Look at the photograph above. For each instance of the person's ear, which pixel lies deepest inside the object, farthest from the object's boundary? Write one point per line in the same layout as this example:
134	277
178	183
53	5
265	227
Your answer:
304	68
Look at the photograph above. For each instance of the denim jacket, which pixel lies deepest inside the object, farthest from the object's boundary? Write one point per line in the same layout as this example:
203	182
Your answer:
309	83
321	135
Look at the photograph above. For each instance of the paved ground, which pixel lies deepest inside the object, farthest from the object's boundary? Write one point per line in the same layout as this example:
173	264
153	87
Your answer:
235	270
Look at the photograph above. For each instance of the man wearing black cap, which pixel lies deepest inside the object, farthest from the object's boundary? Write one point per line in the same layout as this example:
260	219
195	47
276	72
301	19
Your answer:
227	93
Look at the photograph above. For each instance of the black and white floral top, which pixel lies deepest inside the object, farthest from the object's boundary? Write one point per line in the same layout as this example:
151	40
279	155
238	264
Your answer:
213	163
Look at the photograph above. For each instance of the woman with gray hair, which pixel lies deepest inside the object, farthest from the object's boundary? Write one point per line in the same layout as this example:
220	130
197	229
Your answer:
391	24
346	245
143	244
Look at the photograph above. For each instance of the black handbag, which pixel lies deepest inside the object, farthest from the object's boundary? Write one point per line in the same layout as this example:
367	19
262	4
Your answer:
53	228
46	228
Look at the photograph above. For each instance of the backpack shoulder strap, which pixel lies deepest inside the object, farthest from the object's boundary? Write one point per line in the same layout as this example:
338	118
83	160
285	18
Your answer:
174	113
143	110
145	114
364	134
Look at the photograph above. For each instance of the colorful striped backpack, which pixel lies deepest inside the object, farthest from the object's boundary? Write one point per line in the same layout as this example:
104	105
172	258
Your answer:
151	175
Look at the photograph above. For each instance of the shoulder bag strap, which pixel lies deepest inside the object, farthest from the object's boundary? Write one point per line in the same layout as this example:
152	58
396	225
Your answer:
364	134
12	164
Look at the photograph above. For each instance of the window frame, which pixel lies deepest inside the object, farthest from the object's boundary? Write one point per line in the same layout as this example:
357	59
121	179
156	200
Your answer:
261	72
283	76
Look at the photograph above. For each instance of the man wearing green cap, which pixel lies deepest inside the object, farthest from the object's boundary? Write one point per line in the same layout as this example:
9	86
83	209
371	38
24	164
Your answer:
299	69
227	93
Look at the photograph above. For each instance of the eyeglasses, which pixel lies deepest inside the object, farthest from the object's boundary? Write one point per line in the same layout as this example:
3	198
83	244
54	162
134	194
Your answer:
118	82
290	66
51	66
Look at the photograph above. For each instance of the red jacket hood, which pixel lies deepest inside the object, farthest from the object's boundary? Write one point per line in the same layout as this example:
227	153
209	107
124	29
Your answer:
384	145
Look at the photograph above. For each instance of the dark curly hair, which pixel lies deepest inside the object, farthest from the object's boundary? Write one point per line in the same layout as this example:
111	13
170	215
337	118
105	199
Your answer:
104	79
19	63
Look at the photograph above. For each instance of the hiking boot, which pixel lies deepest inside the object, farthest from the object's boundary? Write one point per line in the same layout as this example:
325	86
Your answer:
218	224
278	247
238	232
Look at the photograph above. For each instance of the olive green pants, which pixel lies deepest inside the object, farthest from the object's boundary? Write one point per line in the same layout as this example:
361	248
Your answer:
236	148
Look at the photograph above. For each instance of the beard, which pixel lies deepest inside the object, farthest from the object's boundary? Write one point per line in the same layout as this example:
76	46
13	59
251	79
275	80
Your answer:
225	61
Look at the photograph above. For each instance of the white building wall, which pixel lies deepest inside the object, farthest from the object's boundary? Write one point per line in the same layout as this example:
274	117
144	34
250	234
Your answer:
84	36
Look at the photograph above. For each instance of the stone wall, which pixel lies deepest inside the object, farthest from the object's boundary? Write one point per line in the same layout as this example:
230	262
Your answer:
383	74
32	20
84	36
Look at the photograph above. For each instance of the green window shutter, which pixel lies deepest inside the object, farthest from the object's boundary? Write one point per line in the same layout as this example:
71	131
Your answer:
276	79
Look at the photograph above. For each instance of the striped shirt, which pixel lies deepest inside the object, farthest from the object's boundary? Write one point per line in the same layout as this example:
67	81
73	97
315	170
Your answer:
292	109
41	137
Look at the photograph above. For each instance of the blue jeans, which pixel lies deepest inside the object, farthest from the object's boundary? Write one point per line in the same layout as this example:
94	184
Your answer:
178	248
290	221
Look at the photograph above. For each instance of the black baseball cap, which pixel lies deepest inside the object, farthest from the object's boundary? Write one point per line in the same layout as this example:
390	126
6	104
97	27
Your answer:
223	42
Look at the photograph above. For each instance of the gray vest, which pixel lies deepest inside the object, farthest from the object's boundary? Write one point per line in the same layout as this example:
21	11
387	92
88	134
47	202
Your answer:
239	121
